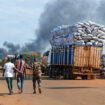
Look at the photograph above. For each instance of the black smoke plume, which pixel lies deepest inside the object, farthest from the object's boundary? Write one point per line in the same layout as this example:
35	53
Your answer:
3	53
12	49
9	48
61	12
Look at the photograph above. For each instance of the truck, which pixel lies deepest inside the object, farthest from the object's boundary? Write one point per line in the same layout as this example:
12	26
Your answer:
75	61
102	71
76	50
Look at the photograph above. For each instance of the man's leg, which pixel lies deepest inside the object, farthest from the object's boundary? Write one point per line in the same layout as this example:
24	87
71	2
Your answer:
9	84
22	84
39	85
34	85
18	83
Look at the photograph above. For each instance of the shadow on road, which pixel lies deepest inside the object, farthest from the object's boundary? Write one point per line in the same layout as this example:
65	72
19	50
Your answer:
69	87
3	94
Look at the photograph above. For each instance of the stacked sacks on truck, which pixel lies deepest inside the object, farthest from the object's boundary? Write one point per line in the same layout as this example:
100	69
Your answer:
85	34
70	42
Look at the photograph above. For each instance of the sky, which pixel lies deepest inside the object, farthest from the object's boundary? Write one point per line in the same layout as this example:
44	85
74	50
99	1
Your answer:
19	19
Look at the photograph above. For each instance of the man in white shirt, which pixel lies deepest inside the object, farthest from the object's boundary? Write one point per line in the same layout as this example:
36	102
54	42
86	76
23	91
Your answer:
8	73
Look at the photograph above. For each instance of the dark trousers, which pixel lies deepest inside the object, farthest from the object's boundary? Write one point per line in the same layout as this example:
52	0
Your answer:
38	80
9	83
20	82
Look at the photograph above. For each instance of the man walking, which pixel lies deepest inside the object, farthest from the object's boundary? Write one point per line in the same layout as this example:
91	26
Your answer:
8	73
21	70
37	77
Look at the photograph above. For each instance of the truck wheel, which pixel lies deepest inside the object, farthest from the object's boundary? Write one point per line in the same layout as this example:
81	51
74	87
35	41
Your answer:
50	73
68	74
64	73
84	77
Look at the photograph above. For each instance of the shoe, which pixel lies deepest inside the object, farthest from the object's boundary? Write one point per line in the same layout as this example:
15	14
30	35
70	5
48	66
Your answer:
34	91
19	91
40	90
12	92
9	93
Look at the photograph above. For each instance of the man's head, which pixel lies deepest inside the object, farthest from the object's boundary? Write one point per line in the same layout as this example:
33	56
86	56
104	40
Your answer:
9	60
21	56
39	68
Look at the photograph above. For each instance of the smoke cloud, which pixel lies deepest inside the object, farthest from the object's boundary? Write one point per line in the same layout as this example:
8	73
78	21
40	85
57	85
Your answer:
12	49
61	12
9	48
3	53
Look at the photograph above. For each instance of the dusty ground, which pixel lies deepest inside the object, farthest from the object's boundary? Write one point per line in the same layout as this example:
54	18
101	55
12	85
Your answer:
57	92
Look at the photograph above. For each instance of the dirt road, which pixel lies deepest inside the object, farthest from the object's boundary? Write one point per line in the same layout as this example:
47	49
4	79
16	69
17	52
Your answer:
57	92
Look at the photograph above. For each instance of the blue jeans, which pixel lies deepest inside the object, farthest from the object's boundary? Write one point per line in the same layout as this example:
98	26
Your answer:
20	82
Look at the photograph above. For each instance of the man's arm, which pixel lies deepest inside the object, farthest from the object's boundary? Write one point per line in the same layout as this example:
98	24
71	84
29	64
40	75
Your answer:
14	71
17	70
3	72
25	71
4	67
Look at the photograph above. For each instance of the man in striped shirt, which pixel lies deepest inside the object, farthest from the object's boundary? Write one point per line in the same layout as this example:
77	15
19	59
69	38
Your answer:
21	70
